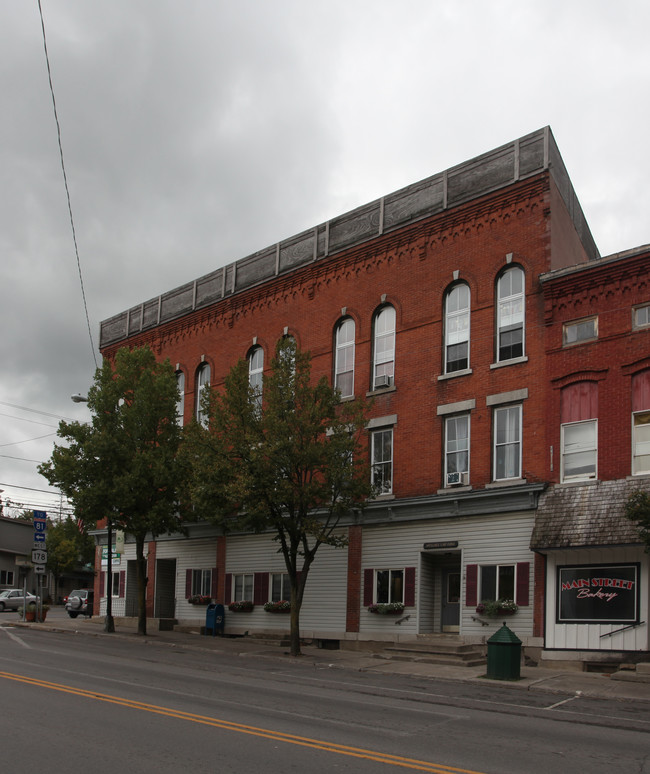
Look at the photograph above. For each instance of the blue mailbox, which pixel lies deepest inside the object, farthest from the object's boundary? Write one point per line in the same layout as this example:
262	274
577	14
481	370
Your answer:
215	619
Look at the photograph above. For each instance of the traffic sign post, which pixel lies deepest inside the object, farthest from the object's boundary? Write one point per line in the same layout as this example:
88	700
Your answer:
39	558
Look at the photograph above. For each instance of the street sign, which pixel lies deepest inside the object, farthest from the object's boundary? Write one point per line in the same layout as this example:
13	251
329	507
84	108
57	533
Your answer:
39	569
39	555
40	525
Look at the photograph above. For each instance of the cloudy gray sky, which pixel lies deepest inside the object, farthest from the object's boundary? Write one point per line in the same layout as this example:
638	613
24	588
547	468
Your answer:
198	131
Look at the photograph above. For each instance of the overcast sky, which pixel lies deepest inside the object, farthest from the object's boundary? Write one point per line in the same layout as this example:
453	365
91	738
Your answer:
196	132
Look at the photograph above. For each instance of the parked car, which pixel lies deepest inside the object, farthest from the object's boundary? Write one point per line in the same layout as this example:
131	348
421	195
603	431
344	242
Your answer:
12	599
80	602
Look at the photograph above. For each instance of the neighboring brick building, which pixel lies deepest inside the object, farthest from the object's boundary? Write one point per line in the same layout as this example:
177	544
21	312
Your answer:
598	452
429	300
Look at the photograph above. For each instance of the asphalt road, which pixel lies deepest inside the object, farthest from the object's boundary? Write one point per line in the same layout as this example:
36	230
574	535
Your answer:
96	703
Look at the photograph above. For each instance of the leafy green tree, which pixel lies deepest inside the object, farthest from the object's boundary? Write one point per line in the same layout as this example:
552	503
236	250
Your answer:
68	548
293	465
123	465
637	509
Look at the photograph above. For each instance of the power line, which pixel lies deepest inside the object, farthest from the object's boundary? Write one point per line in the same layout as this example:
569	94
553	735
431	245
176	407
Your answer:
27	440
35	411
65	181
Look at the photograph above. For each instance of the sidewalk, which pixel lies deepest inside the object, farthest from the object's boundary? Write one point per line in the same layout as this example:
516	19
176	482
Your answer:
621	686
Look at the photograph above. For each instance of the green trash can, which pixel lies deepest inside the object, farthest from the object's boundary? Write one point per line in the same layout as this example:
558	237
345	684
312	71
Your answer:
504	655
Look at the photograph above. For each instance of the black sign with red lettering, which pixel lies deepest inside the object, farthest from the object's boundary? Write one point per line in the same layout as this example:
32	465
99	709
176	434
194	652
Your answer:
605	593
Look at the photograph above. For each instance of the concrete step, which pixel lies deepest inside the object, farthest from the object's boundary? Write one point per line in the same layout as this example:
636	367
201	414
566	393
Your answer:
433	658
436	649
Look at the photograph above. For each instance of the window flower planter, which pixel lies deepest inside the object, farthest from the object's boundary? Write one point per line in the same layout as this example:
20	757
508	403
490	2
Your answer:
495	608
283	606
197	599
387	608
241	606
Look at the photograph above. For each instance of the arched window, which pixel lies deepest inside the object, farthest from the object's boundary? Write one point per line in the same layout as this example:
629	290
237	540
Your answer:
202	382
344	363
384	348
457	303
256	372
510	314
180	404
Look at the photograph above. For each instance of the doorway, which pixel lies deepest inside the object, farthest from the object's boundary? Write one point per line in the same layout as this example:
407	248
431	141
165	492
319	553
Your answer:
165	595
450	599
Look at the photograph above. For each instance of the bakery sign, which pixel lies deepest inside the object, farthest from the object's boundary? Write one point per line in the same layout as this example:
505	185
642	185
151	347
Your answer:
606	593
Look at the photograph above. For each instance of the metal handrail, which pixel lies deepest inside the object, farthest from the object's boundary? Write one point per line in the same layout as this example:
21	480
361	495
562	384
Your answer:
625	628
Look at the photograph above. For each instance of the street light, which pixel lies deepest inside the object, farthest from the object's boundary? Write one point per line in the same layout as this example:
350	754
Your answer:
109	622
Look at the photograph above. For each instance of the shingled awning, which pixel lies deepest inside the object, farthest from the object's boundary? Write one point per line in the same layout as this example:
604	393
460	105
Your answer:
587	515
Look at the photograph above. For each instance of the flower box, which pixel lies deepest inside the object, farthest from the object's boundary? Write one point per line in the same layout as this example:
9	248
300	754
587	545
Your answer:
198	599
283	606
495	608
387	608
241	606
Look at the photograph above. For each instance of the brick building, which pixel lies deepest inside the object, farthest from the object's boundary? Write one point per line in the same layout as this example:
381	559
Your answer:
429	300
592	572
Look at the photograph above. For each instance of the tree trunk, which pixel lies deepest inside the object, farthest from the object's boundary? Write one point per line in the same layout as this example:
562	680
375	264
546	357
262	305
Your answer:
142	587
294	634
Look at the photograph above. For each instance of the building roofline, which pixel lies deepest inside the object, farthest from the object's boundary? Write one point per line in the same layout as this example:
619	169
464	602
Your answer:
599	263
490	172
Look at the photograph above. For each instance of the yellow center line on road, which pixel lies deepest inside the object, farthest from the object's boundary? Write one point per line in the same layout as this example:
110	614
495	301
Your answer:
265	733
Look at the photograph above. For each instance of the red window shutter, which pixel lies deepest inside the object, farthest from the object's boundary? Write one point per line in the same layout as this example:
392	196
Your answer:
122	583
188	584
368	591
641	391
471	585
409	587
102	583
261	588
523	577
214	583
228	591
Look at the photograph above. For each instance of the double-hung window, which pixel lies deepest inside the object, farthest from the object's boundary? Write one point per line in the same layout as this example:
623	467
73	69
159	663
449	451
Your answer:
242	587
510	314
457	450
202	384
497	582
579	450
579	431
641	442
115	584
389	586
381	454
384	348
344	363
255	374
280	587
201	583
507	443
457	304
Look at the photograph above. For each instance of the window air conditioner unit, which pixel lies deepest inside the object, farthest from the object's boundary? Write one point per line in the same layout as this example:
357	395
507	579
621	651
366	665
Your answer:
457	479
382	381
